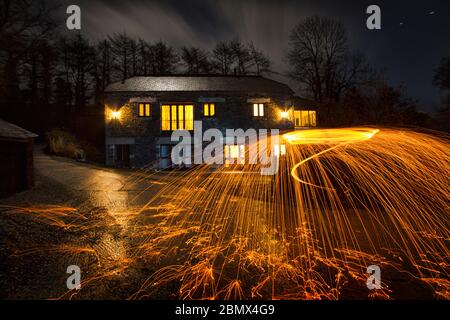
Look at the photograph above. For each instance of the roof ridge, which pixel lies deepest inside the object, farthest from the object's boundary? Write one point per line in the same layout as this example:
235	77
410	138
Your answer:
191	83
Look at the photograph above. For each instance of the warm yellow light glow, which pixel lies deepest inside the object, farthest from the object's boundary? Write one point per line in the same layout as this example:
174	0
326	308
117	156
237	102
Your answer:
234	152
279	150
284	114
114	115
330	136
305	118
177	117
209	109
258	110
356	196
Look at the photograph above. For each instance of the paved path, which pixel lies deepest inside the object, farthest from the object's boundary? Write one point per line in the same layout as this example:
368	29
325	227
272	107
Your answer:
103	187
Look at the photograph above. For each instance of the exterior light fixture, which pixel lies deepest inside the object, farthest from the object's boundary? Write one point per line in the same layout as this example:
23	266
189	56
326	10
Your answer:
115	115
284	114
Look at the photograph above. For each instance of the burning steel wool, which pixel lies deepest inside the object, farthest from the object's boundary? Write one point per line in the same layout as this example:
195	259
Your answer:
343	199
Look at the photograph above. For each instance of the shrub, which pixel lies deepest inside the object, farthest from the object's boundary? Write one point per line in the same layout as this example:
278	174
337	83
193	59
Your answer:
62	143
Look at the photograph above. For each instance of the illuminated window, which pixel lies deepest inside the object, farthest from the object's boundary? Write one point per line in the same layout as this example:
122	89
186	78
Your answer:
177	117
234	154
305	118
144	110
258	110
209	110
279	150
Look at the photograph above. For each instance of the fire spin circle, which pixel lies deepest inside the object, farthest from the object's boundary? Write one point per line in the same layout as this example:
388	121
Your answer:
335	137
330	136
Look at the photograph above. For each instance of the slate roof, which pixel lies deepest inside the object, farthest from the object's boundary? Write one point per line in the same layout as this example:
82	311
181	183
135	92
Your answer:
244	84
9	130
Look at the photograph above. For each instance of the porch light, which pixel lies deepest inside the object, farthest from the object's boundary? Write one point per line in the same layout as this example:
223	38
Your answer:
115	115
284	114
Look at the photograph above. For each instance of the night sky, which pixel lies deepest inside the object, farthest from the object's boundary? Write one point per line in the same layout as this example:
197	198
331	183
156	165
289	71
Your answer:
415	35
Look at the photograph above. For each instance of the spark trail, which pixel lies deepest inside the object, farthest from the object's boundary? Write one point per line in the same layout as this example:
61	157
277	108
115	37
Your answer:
343	199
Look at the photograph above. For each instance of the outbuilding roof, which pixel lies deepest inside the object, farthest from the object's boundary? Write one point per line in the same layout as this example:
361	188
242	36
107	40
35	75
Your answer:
245	84
9	130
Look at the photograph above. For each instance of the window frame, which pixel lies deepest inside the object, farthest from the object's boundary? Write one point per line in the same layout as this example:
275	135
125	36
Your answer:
176	111
145	115
259	110
310	117
239	157
207	106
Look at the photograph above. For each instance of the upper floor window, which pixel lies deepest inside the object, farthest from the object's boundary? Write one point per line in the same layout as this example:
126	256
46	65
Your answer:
305	118
177	117
258	109
209	110
145	110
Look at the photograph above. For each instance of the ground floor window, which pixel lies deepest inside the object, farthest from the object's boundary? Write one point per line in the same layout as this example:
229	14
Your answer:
305	118
165	160
234	154
279	150
177	117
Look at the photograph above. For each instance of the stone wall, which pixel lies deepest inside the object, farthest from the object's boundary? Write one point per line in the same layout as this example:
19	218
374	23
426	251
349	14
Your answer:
233	111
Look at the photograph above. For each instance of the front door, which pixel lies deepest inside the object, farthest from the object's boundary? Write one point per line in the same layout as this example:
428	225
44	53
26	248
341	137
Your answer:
123	155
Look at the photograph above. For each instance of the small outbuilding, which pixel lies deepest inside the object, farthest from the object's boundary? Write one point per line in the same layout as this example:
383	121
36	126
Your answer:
16	158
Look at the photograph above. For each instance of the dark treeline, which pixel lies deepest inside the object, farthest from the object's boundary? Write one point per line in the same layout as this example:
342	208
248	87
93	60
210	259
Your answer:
47	79
347	89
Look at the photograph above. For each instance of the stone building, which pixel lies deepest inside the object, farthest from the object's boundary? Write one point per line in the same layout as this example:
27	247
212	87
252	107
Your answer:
142	112
16	158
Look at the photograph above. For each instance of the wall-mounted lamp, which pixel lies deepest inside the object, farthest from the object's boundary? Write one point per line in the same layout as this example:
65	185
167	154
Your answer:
115	115
284	114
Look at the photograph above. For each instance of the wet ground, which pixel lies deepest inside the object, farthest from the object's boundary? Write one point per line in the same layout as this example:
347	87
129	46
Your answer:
77	214
89	216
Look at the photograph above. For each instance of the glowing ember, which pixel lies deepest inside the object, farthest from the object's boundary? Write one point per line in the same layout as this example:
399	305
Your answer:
365	197
330	136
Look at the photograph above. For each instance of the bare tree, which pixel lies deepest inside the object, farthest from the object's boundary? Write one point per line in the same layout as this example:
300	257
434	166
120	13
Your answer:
241	55
78	58
144	57
195	61
122	50
223	58
260	62
102	69
320	60
24	25
441	78
164	59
